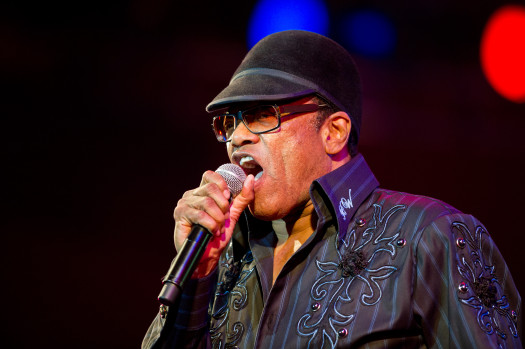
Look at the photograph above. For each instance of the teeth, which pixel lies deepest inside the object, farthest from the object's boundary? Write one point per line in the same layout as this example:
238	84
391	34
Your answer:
248	163
245	162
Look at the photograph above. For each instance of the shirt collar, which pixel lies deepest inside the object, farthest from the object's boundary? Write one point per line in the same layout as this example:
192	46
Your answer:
342	191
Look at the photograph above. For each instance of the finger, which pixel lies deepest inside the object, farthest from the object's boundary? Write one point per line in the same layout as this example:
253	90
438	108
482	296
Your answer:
214	192
213	177
242	200
208	205
188	216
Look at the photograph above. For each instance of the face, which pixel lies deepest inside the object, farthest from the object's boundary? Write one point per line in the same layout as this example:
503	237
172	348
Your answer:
284	162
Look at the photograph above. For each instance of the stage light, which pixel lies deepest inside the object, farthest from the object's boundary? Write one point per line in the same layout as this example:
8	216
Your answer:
369	33
502	52
270	16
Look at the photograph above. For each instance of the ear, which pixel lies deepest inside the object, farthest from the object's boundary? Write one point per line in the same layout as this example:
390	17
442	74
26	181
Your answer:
336	132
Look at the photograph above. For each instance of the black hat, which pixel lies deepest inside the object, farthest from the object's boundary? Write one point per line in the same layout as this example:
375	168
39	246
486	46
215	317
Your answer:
296	63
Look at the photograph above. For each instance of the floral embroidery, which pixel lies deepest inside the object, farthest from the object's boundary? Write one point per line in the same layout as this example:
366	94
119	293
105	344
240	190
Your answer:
333	287
231	291
230	276
352	263
234	336
481	288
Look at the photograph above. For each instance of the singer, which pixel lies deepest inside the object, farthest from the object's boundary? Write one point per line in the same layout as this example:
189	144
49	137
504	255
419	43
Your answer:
313	253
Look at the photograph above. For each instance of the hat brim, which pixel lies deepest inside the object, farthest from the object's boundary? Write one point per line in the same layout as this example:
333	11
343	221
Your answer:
259	87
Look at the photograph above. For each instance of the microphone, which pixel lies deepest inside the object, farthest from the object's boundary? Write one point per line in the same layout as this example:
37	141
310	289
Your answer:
186	260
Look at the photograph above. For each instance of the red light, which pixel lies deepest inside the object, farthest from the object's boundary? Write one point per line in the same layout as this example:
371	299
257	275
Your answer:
503	52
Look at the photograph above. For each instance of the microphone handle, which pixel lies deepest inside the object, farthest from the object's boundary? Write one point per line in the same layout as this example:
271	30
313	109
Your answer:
184	264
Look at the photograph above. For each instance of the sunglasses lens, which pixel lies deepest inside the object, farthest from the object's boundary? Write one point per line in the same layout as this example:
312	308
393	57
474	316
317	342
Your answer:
223	125
261	118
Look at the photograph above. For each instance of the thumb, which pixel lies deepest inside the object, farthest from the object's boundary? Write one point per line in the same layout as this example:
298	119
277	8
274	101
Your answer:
242	200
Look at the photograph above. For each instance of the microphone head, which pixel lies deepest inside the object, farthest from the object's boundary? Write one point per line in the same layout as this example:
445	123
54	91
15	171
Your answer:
234	177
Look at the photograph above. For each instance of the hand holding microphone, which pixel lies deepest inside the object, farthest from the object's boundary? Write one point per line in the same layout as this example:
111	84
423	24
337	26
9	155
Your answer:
200	214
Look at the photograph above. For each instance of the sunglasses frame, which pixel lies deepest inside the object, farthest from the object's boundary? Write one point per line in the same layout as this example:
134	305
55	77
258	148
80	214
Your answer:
280	111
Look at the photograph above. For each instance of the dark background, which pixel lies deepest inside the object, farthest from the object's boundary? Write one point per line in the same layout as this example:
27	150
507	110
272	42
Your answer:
104	128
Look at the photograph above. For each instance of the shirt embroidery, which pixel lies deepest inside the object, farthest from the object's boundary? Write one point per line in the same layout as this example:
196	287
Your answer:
481	289
332	292
346	204
231	293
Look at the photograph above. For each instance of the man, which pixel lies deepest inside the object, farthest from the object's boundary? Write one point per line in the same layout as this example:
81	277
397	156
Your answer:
312	253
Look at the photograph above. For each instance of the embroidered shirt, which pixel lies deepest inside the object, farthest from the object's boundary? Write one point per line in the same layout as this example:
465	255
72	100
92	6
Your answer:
383	269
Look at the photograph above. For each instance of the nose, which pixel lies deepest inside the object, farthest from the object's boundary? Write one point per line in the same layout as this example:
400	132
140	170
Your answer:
241	136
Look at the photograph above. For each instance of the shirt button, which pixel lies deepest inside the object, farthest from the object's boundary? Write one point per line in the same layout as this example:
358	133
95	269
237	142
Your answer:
360	222
401	242
342	333
463	287
316	306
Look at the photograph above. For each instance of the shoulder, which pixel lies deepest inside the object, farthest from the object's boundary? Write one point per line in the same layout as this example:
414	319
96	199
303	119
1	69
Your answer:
416	203
413	212
431	226
429	218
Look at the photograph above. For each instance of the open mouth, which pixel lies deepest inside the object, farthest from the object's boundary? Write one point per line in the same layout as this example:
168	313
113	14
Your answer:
250	166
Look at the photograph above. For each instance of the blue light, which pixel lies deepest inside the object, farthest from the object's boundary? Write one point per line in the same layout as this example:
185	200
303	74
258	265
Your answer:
271	16
369	33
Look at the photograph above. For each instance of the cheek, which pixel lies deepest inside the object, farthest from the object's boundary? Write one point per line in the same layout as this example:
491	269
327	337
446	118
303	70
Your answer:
300	157
283	155
294	155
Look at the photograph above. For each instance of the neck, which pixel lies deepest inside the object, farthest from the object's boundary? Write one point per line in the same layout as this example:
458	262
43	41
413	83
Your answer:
301	223
297	226
292	231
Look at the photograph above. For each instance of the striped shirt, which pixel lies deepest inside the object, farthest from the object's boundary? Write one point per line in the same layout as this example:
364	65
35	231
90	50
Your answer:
383	269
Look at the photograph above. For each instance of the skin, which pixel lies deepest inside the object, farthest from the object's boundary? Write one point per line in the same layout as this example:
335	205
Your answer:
292	157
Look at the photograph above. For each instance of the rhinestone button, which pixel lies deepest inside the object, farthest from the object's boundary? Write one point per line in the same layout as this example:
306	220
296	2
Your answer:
461	242
316	306
463	287
401	242
360	222
342	332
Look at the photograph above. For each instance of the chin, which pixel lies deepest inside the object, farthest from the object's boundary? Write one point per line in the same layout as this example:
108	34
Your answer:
265	212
